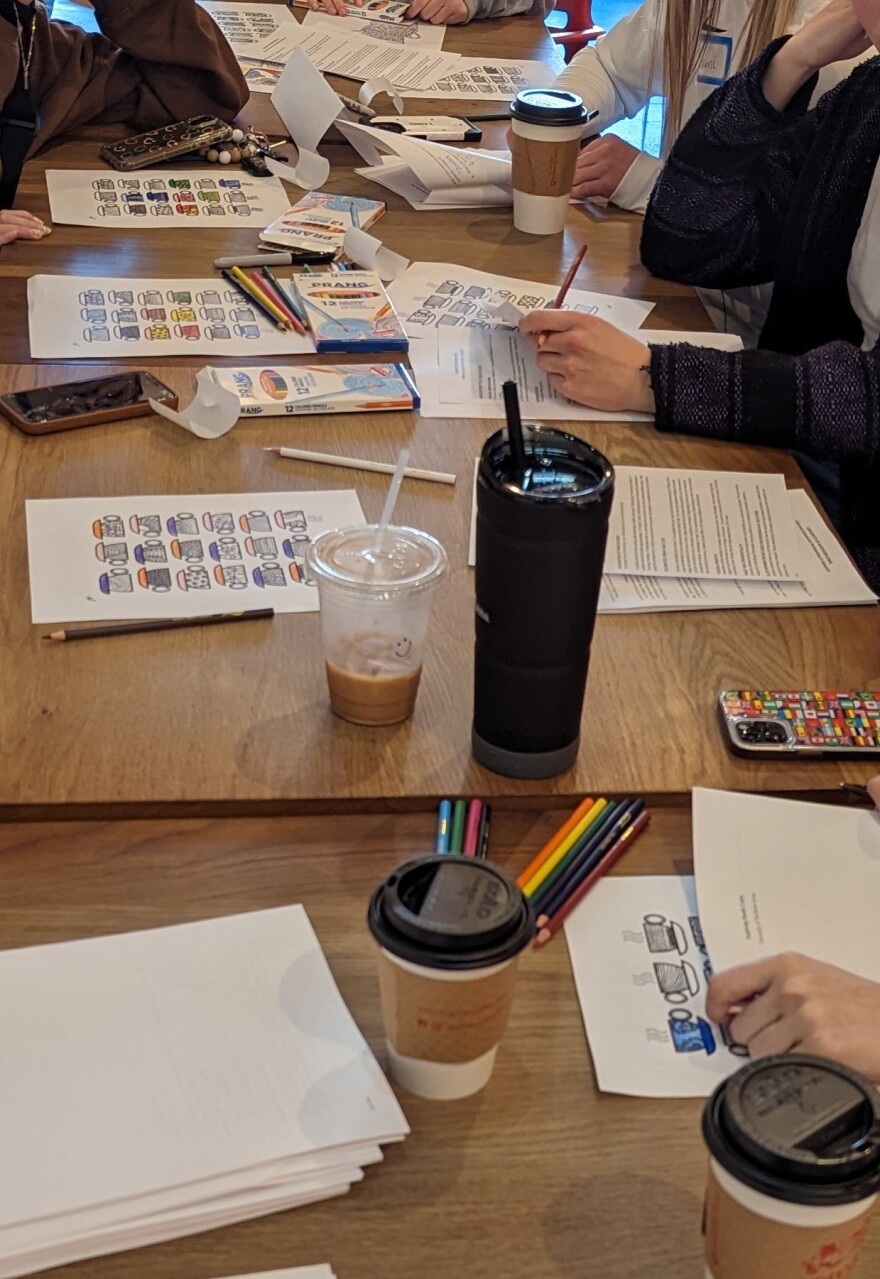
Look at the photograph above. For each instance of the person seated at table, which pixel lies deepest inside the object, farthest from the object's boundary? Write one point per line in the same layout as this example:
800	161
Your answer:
761	188
158	61
448	12
680	50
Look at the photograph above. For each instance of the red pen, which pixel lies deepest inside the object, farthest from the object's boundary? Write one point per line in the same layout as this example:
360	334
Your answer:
549	926
565	286
472	828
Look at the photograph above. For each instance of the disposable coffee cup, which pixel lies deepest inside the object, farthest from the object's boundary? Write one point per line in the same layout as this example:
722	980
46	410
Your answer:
794	1170
450	932
375	592
547	125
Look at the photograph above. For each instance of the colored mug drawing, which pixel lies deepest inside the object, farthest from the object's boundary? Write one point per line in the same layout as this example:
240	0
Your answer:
269	575
255	522
151	553
224	549
155	579
184	524
112	552
690	1033
266	547
219	521
232	575
116	582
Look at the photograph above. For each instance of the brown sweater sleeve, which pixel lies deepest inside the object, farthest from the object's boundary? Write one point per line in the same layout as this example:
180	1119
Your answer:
157	61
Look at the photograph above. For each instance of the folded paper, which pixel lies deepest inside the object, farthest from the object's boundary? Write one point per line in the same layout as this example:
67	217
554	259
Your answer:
370	253
213	412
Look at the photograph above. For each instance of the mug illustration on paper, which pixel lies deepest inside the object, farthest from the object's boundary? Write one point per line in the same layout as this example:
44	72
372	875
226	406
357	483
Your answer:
292	521
159	197
162	211
217	332
190	332
96	335
121	297
212	313
152	297
224	549
219	521
92	297
184	524
155	579
266	547
152	552
690	1033
94	314
108	197
189	549
116	582
157	333
109	211
663	935
243	314
127	332
247	330
183	315
210	297
299	574
194	578
255	522
677	982
112	552
108	526
104	184
232	575
154	313
126	315
183	296
269	575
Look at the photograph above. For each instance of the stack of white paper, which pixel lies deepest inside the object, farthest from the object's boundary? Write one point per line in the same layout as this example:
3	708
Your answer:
160	1083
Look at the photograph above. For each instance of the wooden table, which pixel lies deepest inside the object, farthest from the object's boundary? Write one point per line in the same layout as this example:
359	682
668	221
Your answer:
538	1177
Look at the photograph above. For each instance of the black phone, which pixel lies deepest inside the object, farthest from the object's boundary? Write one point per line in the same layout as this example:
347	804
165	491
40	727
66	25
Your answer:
47	409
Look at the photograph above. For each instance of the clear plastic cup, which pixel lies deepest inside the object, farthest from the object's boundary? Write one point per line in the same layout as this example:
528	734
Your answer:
376	595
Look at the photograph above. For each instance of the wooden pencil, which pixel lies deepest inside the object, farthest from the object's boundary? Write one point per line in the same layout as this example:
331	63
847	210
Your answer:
156	624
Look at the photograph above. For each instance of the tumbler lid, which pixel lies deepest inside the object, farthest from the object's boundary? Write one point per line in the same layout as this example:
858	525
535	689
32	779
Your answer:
559	467
797	1128
452	912
554	107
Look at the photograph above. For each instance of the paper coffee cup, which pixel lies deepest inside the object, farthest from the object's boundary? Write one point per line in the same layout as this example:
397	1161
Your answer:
794	1170
546	125
450	931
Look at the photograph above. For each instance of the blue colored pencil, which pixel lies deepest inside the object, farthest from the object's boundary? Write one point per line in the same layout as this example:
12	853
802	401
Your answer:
627	814
590	837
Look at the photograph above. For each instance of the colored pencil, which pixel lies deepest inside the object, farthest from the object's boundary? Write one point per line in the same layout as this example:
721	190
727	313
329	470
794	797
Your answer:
157	624
590	836
444	821
485	831
457	836
361	464
552	925
257	278
590	857
554	841
564	287
247	282
472	828
562	848
284	299
249	296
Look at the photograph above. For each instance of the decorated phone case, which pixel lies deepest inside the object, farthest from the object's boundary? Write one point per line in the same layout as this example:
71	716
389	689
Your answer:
770	724
166	142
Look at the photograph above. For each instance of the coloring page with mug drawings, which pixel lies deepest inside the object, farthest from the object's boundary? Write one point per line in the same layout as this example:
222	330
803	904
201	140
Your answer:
641	969
88	318
186	555
150	198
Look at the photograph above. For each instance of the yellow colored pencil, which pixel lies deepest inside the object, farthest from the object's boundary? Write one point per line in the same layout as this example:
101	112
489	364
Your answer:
554	841
252	287
553	861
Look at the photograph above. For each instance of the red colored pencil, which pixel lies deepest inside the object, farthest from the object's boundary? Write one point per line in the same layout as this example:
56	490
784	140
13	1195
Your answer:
257	278
565	286
549	927
472	828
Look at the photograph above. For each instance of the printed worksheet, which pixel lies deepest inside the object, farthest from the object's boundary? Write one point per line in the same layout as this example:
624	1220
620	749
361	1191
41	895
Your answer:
163	198
777	875
249	25
372	19
501	80
177	555
261	77
829	578
641	968
84	317
435	295
335	48
704	524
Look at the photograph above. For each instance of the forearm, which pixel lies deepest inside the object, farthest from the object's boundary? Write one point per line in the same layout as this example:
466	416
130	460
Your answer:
480	9
620	73
825	403
719	206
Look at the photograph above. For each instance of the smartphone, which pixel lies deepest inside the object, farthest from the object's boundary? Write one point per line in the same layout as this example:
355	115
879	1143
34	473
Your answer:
64	408
166	142
770	724
432	128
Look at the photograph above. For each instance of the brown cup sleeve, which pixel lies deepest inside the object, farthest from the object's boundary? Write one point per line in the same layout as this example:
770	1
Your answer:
543	167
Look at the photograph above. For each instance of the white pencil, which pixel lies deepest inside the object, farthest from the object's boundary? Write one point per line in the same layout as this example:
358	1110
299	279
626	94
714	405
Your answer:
360	464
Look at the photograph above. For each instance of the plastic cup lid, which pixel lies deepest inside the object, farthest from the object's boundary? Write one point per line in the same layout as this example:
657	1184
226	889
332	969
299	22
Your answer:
402	559
556	107
797	1128
451	912
559	467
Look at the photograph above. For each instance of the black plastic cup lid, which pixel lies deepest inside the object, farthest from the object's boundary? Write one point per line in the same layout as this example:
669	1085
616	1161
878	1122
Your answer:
451	912
797	1128
559	467
555	107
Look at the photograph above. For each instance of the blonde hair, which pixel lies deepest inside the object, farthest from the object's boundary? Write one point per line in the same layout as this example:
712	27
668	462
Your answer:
682	44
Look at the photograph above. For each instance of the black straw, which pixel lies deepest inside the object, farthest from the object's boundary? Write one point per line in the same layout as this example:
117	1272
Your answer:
514	430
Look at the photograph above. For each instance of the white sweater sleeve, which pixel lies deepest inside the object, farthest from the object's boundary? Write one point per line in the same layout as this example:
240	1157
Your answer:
636	185
622	71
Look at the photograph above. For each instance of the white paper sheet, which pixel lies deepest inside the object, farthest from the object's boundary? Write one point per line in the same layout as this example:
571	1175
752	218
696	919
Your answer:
777	875
249	26
366	22
829	578
371	254
432	174
334	48
212	412
97	558
640	967
307	106
437	295
499	81
704	524
210	1067
92	317
161	198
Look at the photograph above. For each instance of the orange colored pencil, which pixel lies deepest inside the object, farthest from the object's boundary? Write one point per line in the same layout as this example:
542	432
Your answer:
554	841
565	286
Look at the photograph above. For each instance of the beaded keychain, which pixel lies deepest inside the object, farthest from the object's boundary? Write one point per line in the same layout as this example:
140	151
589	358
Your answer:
241	146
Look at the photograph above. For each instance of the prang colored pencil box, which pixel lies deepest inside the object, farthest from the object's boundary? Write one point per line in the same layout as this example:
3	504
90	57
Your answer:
282	390
350	311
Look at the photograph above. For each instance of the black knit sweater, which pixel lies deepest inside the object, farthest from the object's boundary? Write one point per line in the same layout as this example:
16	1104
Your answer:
752	195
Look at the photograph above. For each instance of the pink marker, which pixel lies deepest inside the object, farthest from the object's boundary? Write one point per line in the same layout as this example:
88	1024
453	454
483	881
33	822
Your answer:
472	828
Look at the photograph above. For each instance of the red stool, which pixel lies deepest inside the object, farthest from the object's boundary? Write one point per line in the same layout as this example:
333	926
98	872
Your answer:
571	26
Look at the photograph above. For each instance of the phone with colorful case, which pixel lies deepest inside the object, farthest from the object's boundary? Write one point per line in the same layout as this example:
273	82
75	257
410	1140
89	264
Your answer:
772	724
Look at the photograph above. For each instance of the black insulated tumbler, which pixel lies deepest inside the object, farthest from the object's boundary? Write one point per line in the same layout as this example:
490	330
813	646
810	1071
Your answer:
541	533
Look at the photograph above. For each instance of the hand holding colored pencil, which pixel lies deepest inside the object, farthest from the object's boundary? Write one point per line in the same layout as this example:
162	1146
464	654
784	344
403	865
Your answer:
564	287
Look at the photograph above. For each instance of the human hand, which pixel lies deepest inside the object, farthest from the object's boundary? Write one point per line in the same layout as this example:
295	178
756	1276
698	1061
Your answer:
338	8
590	361
835	34
16	224
601	166
793	1004
451	12
874	790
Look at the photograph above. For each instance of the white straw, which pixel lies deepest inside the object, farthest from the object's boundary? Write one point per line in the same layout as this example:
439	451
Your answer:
393	490
361	464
